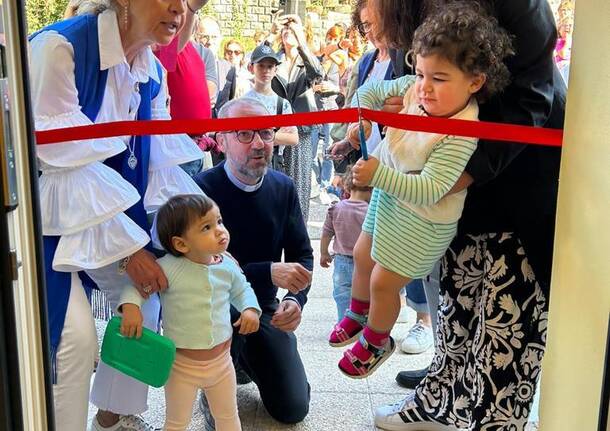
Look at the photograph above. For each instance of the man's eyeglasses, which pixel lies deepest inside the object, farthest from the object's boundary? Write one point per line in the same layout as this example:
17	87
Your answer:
364	27
247	136
233	51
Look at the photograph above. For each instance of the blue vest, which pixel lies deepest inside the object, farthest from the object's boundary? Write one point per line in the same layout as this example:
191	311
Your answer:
366	65
364	68
82	33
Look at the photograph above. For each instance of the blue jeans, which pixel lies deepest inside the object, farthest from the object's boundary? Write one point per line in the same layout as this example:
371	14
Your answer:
342	282
416	296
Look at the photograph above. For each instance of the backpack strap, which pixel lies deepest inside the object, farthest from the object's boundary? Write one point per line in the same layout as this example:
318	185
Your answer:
279	109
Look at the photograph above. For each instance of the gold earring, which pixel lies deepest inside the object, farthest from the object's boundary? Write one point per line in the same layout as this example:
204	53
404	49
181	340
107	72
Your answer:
126	16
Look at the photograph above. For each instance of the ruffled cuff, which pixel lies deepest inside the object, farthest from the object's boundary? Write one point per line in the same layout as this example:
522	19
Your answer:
75	199
74	153
99	245
165	183
172	150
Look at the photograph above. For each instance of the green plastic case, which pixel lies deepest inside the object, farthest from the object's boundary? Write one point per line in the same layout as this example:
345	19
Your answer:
148	359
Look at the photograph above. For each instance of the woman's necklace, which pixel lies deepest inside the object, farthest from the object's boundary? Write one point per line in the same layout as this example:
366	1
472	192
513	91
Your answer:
132	160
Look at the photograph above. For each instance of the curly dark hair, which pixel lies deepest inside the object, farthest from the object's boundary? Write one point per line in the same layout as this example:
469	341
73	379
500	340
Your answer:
348	182
467	36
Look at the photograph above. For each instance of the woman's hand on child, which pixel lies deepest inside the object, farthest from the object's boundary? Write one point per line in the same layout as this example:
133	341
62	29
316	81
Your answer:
145	273
364	170
131	323
248	321
353	133
325	260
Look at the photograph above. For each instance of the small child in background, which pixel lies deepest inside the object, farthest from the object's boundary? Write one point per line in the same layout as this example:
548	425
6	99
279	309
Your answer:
343	222
204	281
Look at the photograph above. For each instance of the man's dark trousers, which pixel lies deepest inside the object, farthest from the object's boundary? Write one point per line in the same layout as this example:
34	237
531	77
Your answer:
270	357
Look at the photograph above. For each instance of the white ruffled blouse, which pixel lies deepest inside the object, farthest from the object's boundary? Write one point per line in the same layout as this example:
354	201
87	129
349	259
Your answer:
83	200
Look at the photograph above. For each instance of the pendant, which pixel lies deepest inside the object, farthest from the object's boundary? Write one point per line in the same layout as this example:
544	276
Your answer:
132	161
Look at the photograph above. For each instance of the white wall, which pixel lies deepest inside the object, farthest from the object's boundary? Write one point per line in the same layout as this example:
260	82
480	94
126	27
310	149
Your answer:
580	293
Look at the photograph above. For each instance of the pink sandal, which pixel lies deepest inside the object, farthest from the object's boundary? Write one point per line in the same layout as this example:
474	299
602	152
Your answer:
359	369
339	337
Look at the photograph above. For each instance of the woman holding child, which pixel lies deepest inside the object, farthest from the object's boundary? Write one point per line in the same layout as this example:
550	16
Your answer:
496	272
98	196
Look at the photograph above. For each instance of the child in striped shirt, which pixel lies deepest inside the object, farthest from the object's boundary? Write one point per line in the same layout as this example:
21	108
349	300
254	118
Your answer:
412	216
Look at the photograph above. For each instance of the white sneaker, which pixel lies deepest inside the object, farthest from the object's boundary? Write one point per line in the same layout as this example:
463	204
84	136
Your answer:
419	339
406	415
325	199
125	423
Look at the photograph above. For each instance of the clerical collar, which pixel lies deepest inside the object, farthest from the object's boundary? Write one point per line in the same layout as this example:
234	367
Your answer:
239	184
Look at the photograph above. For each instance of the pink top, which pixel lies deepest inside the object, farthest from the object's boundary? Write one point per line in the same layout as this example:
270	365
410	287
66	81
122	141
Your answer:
188	89
561	50
344	221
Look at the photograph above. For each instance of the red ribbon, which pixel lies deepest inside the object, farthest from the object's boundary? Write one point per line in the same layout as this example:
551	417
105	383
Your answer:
475	129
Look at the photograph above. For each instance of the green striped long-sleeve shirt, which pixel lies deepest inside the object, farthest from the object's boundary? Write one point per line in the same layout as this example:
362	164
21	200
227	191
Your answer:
439	159
440	173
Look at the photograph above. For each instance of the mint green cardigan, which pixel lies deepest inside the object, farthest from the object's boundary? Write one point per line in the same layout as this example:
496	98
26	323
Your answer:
196	305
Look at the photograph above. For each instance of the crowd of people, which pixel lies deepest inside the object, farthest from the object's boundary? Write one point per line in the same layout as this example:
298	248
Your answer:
198	234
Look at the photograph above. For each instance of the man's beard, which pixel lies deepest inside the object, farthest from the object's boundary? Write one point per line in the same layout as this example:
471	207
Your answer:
254	173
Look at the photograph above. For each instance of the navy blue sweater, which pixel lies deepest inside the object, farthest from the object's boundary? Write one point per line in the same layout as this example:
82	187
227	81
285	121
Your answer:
262	224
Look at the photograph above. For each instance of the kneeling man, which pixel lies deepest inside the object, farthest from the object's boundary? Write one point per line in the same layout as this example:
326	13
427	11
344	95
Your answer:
260	208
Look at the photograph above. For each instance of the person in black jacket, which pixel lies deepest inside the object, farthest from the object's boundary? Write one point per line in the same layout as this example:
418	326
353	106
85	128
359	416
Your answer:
260	208
296	75
496	273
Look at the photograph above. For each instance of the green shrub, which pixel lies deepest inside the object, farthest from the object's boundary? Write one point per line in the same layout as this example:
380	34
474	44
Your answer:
41	13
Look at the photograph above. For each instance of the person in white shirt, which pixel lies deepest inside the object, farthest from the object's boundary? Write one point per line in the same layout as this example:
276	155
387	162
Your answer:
98	195
263	65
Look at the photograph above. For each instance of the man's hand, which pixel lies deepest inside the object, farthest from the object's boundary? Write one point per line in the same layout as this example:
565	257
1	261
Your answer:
353	133
131	323
364	170
248	321
325	259
293	277
287	317
393	104
145	273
